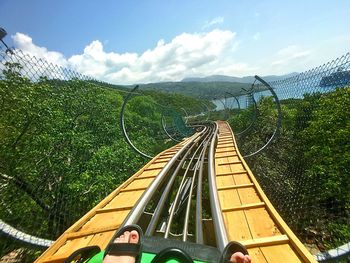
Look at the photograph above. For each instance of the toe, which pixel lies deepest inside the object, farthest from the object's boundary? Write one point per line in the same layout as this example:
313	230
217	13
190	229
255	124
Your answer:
121	239
134	237
126	236
238	257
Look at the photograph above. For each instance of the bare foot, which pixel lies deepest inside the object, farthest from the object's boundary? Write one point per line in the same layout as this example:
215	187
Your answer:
126	237
238	257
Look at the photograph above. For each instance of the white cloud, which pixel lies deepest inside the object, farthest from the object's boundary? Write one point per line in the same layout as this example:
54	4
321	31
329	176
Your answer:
25	43
195	55
216	21
198	54
186	54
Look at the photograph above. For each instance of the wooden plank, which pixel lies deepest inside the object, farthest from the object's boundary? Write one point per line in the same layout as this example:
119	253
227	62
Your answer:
113	209
165	157
155	166
106	220
223	161
242	178
257	255
75	235
281	253
248	195
145	182
237	167
227	149
161	161
145	177
224	145
102	239
223	169
148	173
70	247
232	152
243	207
129	189
230	173
235	186
229	163
222	181
229	198
236	226
261	224
153	169
226	139
267	241
125	199
225	156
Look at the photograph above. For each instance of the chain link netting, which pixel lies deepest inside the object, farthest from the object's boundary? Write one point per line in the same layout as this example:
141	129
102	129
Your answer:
62	150
305	170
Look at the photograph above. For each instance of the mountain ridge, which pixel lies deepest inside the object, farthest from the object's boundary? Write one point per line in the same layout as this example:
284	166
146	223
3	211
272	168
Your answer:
245	79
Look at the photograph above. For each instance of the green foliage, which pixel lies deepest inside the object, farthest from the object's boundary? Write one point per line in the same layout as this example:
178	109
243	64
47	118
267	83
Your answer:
62	150
328	154
305	172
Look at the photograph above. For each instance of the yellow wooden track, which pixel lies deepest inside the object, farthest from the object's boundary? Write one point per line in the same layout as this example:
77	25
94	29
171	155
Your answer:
99	224
248	215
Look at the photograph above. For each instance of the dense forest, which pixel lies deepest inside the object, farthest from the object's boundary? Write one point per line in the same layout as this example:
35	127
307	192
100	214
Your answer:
305	172
62	150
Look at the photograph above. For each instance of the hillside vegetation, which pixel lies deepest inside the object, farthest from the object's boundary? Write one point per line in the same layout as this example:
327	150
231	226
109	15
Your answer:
305	172
62	150
205	90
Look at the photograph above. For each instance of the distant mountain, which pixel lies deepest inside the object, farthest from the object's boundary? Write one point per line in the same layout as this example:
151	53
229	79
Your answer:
211	87
246	79
207	90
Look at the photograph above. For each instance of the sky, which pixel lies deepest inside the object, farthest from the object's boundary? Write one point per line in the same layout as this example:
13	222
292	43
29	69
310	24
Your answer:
128	42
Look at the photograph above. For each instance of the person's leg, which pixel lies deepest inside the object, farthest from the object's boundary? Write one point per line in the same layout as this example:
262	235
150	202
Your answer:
239	257
127	237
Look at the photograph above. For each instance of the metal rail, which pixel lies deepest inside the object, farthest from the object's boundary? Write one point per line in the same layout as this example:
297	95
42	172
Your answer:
162	201
177	197
199	222
219	226
138	209
188	208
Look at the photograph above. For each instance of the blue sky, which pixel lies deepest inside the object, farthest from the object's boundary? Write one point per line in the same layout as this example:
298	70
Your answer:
147	41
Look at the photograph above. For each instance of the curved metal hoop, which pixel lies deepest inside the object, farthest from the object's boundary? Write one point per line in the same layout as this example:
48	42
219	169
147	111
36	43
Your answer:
186	118
207	112
278	122
233	96
122	124
165	130
21	237
253	119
